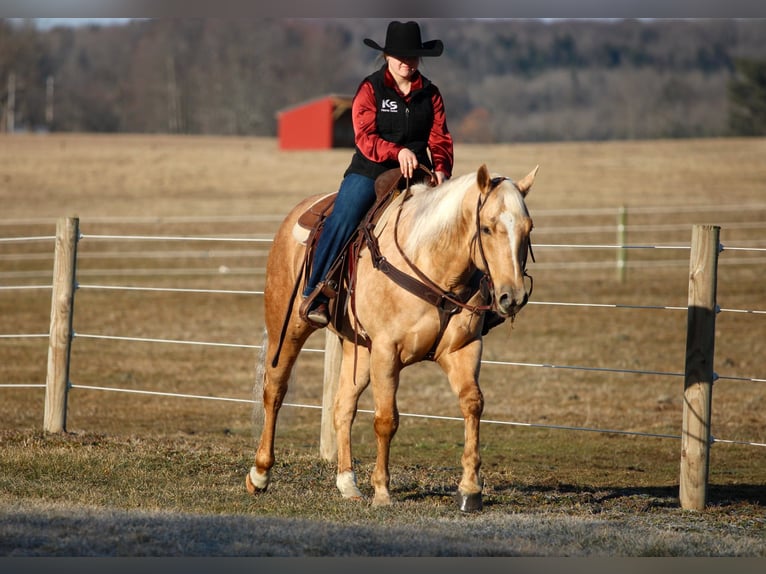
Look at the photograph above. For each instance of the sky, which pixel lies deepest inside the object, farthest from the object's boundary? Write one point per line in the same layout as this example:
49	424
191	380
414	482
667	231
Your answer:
44	23
399	8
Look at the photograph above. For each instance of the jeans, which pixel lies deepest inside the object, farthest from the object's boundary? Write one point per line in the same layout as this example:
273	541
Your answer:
355	197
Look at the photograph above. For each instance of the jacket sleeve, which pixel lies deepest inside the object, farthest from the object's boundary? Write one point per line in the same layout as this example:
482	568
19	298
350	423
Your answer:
366	138
440	141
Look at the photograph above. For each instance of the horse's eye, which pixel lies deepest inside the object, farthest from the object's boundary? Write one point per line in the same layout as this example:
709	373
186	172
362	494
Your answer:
486	230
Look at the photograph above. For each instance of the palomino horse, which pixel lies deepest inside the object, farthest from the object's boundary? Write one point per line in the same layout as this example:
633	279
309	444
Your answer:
473	226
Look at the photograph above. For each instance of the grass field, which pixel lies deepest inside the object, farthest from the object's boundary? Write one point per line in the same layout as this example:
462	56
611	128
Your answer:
157	475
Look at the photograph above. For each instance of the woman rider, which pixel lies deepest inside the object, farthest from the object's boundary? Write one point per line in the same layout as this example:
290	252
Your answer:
399	121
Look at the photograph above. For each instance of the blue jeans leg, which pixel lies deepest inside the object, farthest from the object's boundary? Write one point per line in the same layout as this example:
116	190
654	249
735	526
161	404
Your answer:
355	197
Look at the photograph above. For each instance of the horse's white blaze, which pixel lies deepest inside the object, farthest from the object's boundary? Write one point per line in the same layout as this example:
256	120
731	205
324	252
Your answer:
508	219
346	483
513	241
260	481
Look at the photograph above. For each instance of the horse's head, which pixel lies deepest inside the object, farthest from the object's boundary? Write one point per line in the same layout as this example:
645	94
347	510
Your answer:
502	241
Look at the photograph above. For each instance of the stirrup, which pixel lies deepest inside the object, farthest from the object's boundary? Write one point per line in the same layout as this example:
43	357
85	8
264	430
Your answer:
318	314
315	314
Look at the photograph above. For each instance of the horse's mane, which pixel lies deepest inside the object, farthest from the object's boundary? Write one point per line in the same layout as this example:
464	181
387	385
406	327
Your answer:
431	212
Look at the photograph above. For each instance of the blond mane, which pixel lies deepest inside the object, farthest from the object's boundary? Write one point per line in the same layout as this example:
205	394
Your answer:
432	212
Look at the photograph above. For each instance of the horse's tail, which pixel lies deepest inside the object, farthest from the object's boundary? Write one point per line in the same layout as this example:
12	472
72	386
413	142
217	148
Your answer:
260	375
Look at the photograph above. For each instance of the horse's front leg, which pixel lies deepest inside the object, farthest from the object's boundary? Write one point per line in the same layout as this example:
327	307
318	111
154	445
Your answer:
385	382
354	379
462	369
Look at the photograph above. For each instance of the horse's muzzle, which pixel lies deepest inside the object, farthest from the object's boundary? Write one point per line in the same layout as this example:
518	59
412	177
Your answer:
510	301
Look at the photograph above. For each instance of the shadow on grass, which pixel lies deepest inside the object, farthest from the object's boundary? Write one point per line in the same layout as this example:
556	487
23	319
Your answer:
637	498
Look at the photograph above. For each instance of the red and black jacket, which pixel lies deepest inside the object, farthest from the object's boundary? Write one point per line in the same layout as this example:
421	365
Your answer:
385	121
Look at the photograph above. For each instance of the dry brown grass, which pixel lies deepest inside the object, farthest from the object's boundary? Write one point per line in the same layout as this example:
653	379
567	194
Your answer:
549	473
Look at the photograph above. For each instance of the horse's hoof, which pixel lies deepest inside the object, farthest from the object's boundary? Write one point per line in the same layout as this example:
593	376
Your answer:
251	487
346	483
256	487
468	502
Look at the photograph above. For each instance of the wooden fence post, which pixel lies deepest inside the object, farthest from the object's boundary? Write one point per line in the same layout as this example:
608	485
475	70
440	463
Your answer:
60	338
328	445
622	253
699	375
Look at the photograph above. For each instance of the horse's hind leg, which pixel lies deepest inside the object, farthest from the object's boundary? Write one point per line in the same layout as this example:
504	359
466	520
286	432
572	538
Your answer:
275	385
274	389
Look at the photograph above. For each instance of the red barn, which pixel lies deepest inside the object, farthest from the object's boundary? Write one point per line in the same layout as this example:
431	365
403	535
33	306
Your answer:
321	123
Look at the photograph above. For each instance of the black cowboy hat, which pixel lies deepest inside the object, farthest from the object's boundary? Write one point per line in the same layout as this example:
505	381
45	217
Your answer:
403	40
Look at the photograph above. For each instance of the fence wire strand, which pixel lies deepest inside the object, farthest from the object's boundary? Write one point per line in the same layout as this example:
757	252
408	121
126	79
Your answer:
177	238
173	341
170	289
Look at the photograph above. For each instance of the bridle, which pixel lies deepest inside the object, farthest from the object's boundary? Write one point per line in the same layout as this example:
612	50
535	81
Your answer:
493	184
426	288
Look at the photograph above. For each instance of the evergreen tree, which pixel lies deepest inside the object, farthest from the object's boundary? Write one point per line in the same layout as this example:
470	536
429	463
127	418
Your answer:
747	98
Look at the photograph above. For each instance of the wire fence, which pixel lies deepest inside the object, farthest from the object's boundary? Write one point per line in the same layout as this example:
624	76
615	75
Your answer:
264	240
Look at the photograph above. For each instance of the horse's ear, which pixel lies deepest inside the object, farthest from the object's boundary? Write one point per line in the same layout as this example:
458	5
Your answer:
526	184
483	178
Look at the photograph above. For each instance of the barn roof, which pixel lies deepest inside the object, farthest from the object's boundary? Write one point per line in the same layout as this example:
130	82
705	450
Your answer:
341	101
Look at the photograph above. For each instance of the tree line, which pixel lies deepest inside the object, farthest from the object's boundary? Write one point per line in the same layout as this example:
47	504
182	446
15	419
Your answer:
502	80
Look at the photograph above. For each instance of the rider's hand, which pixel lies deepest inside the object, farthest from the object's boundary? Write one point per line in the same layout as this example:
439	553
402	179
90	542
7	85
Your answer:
408	162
